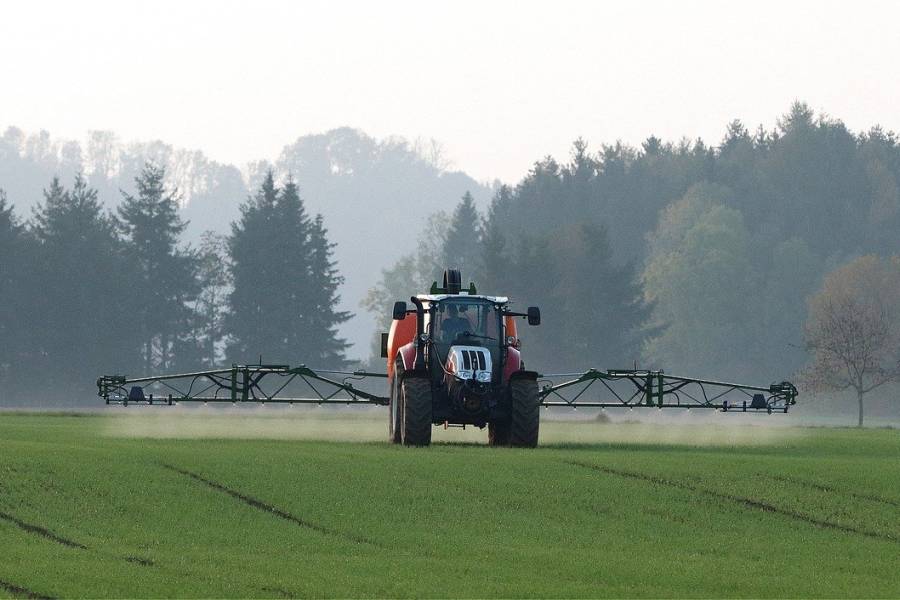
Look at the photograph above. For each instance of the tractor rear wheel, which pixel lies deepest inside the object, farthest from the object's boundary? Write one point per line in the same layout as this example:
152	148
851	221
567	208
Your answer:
525	413
415	411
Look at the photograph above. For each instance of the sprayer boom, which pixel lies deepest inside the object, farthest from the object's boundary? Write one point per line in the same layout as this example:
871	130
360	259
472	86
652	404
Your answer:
241	383
636	388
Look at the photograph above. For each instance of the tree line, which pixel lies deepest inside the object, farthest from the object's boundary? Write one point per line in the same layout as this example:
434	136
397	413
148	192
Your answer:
702	260
85	291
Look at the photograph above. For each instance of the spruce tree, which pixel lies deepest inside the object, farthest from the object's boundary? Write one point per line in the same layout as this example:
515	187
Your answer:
15	309
252	322
462	244
494	271
324	282
166	275
282	305
85	326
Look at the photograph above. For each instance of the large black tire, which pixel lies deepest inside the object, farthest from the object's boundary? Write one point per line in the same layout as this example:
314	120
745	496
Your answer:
415	410
525	413
394	408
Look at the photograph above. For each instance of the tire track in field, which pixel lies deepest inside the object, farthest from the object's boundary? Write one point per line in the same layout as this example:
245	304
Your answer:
41	531
827	488
274	510
280	591
17	590
748	502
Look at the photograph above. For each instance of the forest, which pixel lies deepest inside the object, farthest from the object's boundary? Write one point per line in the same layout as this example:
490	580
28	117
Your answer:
699	258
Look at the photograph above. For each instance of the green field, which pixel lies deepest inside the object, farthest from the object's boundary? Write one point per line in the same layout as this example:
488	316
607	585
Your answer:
200	505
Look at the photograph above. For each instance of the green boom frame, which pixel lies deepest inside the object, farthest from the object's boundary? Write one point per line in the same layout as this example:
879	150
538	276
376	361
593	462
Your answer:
600	389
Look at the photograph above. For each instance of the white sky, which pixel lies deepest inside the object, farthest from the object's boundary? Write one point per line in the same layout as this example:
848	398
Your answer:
501	84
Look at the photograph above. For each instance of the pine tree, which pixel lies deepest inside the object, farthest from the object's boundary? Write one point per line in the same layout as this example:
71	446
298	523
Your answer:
282	305
85	322
251	323
166	276
494	260
324	282
462	244
15	309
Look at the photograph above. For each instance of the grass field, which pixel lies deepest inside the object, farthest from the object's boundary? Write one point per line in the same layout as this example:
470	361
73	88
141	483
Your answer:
199	505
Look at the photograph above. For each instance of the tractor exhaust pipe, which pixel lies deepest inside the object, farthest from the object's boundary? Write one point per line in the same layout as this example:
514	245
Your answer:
420	329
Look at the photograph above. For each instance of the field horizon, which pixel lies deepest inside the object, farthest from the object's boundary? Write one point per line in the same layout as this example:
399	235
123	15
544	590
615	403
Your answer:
246	506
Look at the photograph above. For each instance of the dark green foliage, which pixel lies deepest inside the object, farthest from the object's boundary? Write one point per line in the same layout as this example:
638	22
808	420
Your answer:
730	241
163	279
324	281
282	305
15	253
461	247
81	309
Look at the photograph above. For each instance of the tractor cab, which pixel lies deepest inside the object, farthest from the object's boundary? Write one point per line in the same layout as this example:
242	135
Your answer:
471	323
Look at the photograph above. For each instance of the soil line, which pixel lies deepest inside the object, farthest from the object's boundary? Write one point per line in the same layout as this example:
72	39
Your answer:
826	488
259	504
41	531
748	502
17	590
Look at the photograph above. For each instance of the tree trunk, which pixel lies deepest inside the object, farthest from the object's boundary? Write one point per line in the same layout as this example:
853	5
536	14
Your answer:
859	396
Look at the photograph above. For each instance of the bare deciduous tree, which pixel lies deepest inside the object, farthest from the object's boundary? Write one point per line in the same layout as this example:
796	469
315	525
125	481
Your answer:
853	329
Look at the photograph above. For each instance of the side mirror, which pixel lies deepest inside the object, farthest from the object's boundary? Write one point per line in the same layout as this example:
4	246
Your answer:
399	311
534	315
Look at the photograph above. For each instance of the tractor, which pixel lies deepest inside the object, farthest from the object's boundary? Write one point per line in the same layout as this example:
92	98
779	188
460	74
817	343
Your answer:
454	359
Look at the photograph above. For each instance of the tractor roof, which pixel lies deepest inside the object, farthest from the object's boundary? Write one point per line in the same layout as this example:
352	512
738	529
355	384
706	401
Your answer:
441	297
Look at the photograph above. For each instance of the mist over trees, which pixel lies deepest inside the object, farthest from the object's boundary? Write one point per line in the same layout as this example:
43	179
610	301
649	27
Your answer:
85	292
695	258
391	185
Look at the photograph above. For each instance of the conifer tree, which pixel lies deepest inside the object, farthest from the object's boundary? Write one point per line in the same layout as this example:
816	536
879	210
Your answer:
494	260
462	247
324	282
83	304
282	305
15	308
165	280
252	321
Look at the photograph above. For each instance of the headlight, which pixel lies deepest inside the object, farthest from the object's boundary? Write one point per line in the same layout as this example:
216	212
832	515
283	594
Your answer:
423	337
511	341
483	376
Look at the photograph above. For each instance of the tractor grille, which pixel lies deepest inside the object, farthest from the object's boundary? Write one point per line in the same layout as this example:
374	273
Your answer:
474	360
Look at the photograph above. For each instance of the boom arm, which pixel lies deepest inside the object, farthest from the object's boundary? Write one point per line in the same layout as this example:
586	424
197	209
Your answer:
240	383
637	388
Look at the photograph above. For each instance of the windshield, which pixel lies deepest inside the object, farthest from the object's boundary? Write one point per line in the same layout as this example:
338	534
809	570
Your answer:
466	321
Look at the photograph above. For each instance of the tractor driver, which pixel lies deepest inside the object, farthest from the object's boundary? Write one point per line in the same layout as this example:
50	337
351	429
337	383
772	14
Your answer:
453	324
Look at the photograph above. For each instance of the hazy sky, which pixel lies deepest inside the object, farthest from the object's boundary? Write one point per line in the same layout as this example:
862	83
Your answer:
501	84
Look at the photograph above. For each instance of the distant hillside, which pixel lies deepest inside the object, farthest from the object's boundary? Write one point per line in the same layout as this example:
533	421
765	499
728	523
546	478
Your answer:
375	195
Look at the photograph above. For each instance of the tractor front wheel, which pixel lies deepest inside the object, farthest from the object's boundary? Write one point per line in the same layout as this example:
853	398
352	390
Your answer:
395	408
498	433
415	411
525	413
